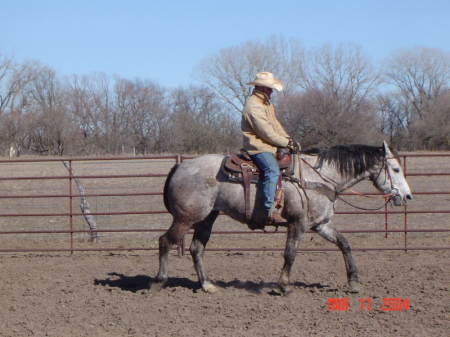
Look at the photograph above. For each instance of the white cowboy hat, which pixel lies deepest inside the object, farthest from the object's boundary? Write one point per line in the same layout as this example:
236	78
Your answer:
266	79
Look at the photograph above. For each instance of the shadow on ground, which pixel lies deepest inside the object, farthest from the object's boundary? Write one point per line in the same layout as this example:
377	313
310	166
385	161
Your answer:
143	282
259	287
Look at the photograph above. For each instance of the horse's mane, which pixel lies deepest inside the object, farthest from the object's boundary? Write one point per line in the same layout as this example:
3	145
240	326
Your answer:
350	160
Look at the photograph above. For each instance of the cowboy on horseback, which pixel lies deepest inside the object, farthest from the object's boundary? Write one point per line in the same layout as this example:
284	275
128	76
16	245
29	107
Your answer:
263	134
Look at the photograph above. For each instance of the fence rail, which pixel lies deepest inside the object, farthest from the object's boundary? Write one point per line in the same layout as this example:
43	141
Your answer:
70	195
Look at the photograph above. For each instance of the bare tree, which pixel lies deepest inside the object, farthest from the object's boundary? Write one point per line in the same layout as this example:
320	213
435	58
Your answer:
49	126
228	72
420	81
90	102
14	79
433	130
316	118
331	96
392	119
420	75
343	73
335	104
143	110
83	104
200	122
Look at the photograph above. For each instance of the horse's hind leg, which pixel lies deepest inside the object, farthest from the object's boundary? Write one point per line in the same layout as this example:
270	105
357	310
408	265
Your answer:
201	237
173	235
332	235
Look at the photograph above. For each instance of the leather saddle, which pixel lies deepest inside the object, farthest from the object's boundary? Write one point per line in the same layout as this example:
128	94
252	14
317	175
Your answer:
235	165
240	168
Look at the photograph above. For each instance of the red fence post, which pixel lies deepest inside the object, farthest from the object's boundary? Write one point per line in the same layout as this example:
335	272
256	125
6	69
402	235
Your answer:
385	220
405	215
70	207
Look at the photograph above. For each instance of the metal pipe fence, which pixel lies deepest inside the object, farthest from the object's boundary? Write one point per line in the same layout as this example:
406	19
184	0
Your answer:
70	214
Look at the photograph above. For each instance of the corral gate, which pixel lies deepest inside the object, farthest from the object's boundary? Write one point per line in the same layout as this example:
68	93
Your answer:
59	190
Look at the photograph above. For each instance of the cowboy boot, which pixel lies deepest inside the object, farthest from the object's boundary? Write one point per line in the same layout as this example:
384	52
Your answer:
274	218
270	217
267	218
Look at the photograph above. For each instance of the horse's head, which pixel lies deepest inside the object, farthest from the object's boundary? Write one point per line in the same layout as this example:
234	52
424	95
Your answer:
388	177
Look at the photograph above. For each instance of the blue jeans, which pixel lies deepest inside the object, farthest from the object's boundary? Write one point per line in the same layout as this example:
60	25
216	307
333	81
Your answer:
270	171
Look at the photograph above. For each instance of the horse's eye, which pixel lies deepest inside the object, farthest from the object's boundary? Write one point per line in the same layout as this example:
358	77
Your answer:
396	170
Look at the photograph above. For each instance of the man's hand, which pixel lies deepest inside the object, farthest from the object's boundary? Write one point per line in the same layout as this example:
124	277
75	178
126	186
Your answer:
293	145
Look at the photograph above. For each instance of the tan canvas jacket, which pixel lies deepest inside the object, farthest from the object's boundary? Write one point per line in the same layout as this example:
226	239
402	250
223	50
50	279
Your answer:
261	129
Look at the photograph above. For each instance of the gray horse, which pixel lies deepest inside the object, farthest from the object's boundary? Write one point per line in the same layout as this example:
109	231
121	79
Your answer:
196	191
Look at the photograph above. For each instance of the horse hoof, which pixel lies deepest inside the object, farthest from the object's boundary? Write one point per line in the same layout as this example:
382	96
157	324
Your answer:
158	285
354	287
155	287
283	290
209	288
287	292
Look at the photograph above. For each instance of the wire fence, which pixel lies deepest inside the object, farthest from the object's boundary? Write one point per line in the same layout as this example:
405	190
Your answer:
43	184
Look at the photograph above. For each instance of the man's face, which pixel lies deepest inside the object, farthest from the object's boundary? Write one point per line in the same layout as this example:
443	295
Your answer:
266	90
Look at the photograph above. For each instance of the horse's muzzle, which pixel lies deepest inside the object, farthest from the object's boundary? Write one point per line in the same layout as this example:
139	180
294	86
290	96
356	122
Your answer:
398	199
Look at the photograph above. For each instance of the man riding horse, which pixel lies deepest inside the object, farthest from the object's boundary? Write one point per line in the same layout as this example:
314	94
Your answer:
196	191
263	134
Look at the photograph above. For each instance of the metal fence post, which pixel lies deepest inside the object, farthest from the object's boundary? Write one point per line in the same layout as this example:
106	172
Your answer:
405	214
385	220
70	207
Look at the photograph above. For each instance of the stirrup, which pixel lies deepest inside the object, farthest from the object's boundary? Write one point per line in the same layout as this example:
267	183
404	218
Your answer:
255	225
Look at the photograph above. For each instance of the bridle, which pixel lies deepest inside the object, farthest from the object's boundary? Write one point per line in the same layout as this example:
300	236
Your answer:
387	196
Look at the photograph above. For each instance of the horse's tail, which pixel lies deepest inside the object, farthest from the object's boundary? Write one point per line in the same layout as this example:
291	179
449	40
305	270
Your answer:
166	186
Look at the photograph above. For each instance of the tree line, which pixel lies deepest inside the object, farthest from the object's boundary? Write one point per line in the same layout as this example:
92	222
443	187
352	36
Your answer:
333	95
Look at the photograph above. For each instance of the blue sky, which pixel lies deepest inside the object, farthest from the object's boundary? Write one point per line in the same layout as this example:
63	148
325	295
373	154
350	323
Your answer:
164	40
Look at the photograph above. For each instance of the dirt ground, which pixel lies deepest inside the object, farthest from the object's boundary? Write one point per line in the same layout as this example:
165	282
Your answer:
101	294
108	294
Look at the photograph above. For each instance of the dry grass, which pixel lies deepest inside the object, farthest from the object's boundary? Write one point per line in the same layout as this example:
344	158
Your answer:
154	203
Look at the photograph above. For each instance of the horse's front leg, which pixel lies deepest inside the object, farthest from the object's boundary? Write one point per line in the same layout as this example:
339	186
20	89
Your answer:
329	233
294	234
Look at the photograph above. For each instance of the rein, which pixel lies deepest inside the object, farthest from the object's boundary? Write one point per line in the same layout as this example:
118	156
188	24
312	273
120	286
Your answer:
387	199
